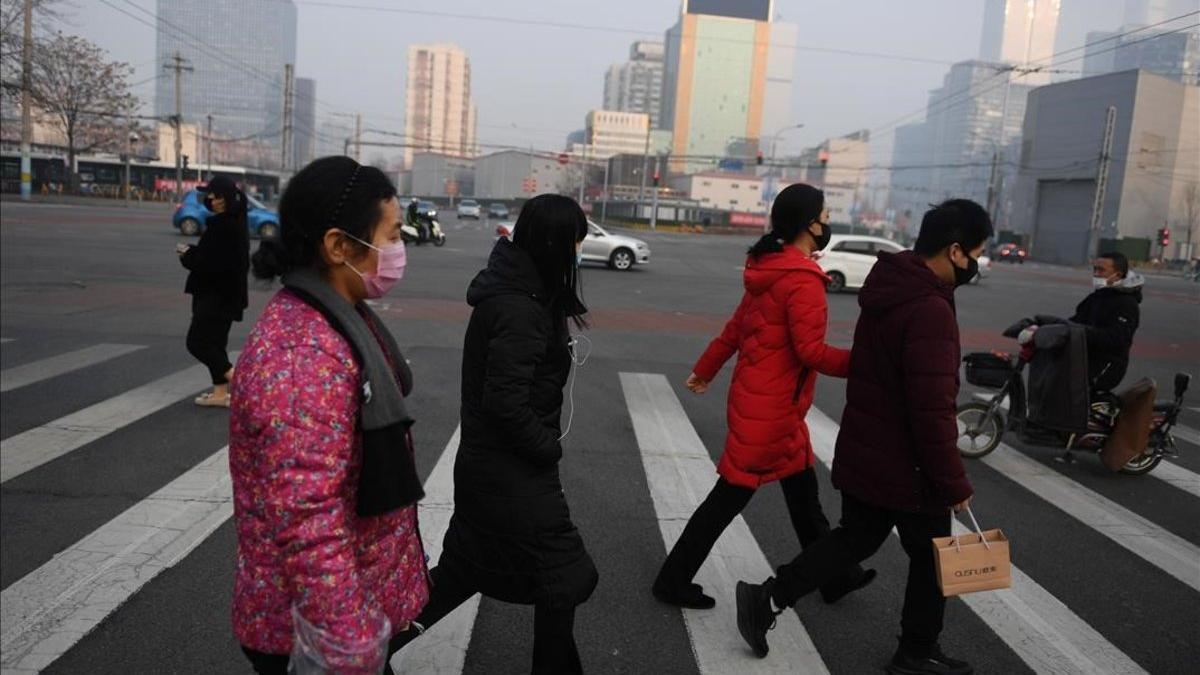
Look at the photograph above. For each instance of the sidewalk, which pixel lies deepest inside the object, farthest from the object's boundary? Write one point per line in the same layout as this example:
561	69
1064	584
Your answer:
82	200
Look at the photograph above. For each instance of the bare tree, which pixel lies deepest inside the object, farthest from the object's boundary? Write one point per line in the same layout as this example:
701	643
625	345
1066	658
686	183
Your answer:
12	30
82	93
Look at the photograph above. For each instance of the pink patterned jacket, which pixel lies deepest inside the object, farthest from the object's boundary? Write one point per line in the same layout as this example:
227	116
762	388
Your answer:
294	454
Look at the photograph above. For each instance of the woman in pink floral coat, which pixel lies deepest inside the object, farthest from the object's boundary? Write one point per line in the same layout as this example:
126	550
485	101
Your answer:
324	491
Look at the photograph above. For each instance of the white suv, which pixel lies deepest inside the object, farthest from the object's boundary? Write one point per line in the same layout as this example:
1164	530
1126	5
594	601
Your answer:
469	208
849	257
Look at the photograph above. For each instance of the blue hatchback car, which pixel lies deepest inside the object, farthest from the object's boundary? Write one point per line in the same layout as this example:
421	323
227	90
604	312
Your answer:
191	215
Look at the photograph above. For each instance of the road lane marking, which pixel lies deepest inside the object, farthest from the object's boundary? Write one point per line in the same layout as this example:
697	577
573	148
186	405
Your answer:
1037	626
680	474
443	648
50	609
34	447
36	371
1165	550
1166	471
6	340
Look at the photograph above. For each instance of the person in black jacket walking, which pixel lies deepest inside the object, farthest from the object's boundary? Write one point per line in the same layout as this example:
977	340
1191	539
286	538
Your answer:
217	266
1111	314
511	537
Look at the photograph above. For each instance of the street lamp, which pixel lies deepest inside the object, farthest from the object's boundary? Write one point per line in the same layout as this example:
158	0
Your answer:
768	178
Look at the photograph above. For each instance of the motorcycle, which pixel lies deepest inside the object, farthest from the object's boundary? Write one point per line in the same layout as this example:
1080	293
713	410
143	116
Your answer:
421	231
982	425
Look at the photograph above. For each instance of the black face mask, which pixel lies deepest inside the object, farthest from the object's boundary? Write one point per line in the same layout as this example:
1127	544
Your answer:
963	276
822	240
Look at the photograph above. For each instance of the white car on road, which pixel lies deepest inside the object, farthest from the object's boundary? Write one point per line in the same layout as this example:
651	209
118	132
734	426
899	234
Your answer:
849	258
469	208
615	250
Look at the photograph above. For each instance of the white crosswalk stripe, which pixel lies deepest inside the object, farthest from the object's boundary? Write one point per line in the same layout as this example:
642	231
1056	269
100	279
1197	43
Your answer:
1167	551
53	607
1038	627
44	369
680	473
443	648
1166	471
33	448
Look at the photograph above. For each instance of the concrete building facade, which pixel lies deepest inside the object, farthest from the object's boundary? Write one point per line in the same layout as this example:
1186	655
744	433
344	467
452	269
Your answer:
516	174
304	122
440	114
1174	55
636	85
1154	169
609	132
839	167
435	174
723	191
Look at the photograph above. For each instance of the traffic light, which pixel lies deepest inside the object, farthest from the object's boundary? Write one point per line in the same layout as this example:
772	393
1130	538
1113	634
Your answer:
758	159
1164	237
656	176
185	162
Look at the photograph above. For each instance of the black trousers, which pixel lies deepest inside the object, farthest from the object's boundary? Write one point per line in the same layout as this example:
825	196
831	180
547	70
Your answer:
863	530
267	664
723	504
554	647
208	341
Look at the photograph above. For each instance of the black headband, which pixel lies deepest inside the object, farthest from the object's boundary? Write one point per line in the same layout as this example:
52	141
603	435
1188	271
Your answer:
337	210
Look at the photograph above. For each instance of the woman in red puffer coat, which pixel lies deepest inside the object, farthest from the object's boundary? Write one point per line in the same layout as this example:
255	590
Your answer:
778	333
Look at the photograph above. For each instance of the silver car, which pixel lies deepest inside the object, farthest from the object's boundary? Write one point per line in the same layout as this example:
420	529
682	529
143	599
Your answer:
469	208
615	250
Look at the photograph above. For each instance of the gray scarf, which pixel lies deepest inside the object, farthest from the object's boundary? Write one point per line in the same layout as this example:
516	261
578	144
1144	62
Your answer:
389	478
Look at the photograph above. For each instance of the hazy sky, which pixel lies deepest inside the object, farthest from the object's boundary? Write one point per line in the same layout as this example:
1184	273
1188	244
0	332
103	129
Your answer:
534	83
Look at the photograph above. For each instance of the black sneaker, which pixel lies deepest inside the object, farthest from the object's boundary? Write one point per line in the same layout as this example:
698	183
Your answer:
836	590
691	596
755	616
933	663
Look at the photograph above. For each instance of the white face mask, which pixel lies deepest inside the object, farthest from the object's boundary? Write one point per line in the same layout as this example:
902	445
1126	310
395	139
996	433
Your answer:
1099	282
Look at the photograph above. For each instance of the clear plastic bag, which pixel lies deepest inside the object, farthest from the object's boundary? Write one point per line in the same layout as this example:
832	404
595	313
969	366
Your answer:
318	652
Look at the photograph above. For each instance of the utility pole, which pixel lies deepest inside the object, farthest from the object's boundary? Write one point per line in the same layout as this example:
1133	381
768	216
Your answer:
583	172
358	137
128	153
604	204
645	167
177	65
654	199
991	191
27	105
286	140
1101	181
208	139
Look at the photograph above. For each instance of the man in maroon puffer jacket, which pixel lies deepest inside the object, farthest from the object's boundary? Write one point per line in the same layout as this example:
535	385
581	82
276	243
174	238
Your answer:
896	462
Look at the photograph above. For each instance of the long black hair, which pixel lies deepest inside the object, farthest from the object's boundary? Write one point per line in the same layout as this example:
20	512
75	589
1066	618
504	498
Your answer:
331	192
796	208
548	229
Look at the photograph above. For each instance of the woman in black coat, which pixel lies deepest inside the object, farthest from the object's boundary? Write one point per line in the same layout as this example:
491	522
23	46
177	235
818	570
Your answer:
511	537
217	266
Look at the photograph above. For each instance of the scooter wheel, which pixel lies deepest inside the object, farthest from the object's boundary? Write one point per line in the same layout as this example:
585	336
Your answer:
979	431
1143	463
440	241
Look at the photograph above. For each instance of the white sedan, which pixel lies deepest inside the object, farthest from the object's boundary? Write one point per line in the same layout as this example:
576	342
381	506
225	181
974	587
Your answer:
615	250
849	257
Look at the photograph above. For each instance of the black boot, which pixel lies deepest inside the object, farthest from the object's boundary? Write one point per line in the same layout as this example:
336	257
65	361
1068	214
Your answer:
691	596
754	614
934	662
853	580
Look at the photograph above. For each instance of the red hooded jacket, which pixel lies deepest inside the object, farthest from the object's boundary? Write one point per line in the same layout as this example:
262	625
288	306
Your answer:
896	448
778	332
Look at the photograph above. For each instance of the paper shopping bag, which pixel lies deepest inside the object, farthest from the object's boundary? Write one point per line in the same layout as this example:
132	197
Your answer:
974	562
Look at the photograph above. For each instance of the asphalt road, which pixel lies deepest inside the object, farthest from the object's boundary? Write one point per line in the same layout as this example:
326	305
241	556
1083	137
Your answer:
1109	565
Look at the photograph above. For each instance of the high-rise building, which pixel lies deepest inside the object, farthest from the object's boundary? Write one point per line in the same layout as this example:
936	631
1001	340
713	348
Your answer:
728	75
1150	12
636	85
439	110
237	51
1174	55
333	133
610	132
304	122
1019	32
910	176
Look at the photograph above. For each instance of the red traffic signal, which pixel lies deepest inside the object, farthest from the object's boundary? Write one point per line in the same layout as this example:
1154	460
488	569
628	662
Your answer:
563	158
656	177
1164	237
